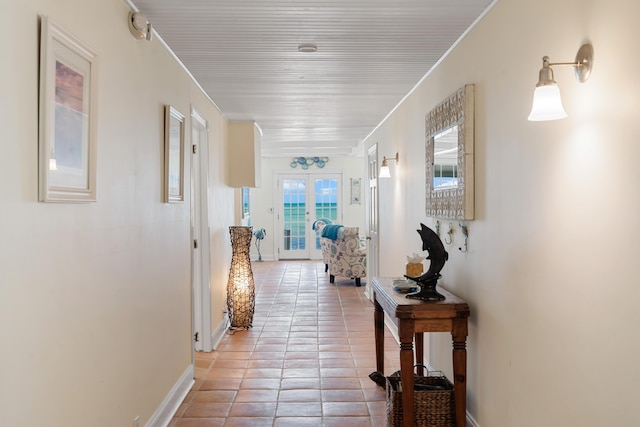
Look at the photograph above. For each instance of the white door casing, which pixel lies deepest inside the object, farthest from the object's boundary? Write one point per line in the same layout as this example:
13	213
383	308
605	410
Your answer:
372	217
200	265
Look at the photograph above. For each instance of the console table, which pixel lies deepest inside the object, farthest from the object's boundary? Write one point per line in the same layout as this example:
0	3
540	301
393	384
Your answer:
413	317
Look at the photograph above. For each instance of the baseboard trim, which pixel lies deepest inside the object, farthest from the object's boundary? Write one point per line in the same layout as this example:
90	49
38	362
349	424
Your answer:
167	409
254	257
471	422
218	333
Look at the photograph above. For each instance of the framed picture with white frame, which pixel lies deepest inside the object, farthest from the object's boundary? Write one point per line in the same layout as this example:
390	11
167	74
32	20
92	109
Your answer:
173	155
68	116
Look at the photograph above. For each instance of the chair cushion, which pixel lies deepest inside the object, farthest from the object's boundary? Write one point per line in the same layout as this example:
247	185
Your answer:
319	223
331	231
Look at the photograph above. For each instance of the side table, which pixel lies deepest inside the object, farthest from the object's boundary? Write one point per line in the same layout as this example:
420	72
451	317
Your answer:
413	318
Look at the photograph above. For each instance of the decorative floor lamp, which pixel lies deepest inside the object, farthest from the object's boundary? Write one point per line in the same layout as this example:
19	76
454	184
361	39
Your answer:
241	293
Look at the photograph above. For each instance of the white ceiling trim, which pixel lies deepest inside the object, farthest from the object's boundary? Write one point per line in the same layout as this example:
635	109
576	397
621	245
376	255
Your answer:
371	55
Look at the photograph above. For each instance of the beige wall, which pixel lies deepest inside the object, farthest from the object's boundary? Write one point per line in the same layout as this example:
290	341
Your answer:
95	301
264	199
551	274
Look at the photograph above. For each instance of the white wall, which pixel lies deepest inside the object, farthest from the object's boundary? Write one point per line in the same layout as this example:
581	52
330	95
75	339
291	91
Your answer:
263	203
551	274
95	300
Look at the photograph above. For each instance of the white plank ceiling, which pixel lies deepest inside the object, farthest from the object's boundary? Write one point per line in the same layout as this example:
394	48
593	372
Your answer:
371	53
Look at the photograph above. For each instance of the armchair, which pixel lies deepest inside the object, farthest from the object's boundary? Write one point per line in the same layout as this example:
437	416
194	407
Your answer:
346	257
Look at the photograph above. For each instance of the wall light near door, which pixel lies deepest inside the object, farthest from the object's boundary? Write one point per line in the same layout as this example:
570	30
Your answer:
53	164
384	169
241	299
547	104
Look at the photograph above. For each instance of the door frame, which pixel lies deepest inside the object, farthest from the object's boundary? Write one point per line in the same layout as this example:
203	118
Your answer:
200	251
372	217
277	175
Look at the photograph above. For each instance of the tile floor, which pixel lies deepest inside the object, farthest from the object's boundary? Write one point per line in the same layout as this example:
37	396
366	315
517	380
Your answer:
305	362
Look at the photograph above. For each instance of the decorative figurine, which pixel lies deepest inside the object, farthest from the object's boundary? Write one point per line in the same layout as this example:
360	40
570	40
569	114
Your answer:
438	256
259	235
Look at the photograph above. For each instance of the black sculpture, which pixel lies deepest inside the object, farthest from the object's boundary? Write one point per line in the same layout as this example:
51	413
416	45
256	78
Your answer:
438	256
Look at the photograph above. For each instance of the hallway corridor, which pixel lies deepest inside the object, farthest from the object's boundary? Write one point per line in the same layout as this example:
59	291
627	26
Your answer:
305	362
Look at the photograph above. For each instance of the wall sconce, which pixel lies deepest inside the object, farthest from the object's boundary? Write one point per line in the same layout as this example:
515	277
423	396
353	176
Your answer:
384	169
139	26
547	104
53	165
241	294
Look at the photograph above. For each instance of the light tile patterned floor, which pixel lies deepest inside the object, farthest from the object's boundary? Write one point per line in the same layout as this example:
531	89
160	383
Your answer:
305	362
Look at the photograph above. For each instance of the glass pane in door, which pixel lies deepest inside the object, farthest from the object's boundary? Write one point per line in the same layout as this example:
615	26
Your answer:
294	214
326	197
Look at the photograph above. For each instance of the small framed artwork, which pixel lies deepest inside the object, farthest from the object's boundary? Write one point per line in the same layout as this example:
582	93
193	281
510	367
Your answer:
173	155
68	111
355	191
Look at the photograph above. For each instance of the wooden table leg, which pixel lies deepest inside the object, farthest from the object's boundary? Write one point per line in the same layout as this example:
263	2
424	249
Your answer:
459	334
420	353
405	331
378	321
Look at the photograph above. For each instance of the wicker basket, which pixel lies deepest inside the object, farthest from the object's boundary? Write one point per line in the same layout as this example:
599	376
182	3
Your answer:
431	408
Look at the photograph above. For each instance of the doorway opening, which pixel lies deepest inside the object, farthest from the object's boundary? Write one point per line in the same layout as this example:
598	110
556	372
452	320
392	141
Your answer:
303	198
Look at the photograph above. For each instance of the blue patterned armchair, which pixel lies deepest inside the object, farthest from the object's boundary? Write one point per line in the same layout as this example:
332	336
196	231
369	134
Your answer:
345	255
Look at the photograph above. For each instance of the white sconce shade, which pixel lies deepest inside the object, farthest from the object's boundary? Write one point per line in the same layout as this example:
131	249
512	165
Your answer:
53	164
384	169
547	104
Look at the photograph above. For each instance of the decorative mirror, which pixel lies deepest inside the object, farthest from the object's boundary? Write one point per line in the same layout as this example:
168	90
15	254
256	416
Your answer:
449	157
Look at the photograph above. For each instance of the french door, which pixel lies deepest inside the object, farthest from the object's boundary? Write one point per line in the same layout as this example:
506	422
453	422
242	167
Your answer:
302	199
